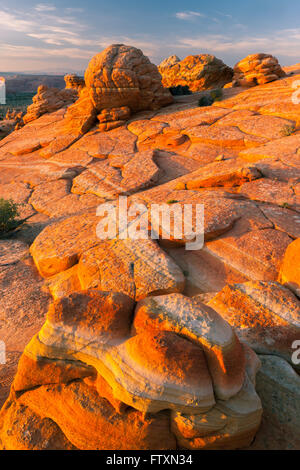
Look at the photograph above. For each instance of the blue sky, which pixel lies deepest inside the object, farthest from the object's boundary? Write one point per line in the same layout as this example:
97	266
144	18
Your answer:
62	36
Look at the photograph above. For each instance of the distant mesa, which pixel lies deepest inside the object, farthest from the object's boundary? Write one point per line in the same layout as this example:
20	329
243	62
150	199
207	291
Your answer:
198	72
257	69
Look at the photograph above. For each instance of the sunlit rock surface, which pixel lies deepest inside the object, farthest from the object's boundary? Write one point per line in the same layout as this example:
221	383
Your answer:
130	355
198	72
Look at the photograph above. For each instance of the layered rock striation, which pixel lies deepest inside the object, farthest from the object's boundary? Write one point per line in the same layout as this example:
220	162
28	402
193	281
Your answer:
257	69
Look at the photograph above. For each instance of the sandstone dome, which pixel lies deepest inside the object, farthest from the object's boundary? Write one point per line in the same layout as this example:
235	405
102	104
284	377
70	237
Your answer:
257	69
123	76
198	72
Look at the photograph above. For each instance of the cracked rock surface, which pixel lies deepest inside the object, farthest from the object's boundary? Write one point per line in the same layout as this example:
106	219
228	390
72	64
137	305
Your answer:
142	344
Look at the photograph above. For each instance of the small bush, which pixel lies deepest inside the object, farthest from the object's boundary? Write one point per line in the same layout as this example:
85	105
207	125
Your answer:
172	201
214	95
288	130
8	214
180	90
205	100
217	94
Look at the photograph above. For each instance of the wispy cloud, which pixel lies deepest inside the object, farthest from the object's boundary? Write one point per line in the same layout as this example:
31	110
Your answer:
189	15
51	38
9	21
285	42
45	7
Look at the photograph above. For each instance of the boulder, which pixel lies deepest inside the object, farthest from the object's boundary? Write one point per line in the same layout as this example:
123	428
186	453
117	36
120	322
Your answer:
169	61
119	81
202	326
257	69
198	72
122	76
107	379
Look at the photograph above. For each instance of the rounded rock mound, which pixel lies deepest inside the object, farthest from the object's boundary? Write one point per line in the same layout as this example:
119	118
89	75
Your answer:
257	69
122	76
120	81
198	72
164	373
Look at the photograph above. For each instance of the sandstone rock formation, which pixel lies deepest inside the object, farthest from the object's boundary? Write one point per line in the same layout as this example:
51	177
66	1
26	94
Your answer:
74	82
169	62
88	352
290	270
198	72
87	378
120	81
257	69
265	315
278	386
48	100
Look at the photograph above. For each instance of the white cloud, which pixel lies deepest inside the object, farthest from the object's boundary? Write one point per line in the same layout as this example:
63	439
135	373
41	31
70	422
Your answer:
12	22
45	39
45	7
189	15
285	43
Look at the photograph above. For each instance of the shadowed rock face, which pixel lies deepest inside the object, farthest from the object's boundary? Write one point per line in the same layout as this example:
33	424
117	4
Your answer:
257	69
198	72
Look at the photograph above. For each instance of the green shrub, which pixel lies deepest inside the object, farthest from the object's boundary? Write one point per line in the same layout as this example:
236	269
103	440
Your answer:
180	90
217	94
214	95
205	100
172	201
288	130
8	214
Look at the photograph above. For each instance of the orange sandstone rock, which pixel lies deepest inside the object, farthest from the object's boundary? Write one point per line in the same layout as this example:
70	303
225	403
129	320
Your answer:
204	327
48	100
23	429
198	72
265	315
137	268
89	422
290	269
257	69
122	76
